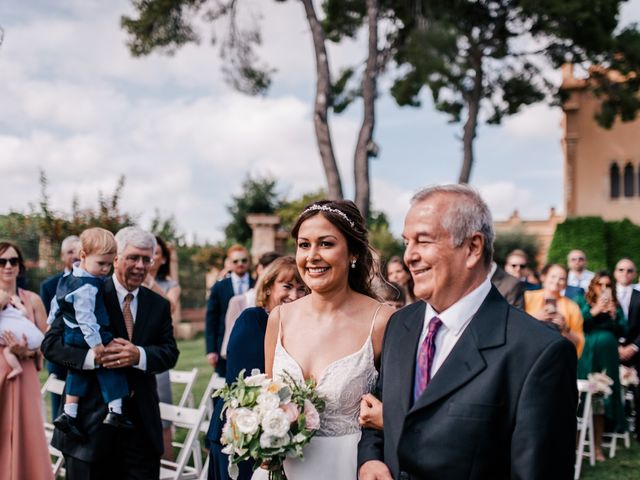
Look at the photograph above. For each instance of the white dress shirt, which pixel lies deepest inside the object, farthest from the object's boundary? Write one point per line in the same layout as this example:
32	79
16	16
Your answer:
624	298
121	292
581	281
240	284
455	320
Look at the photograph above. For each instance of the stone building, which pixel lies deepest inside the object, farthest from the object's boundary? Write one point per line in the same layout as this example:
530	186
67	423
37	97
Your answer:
601	166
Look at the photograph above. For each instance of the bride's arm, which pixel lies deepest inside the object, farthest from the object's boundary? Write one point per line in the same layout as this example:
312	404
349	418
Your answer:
270	339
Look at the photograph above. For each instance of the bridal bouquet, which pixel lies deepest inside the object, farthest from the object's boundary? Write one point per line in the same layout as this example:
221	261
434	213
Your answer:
600	383
268	420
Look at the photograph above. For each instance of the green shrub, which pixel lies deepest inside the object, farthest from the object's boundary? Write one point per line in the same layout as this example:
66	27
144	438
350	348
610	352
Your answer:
588	234
510	240
623	240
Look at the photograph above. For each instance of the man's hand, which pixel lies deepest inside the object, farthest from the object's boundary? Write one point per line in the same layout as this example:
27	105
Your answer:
370	412
374	470
212	358
120	353
627	352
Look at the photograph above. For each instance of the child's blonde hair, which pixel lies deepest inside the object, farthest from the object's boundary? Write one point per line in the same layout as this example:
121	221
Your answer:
98	241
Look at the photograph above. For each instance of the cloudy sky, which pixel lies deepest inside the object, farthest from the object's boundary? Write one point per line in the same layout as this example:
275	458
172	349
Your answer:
77	105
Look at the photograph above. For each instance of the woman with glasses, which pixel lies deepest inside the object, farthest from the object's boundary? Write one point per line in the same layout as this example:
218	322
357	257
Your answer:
604	323
24	452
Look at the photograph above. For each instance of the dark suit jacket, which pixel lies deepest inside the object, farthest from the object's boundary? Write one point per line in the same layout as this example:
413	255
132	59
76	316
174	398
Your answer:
501	406
509	287
48	289
217	305
633	322
154	333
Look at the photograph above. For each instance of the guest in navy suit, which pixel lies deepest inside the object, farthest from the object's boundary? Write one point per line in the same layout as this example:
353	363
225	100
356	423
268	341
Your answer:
69	254
279	283
238	282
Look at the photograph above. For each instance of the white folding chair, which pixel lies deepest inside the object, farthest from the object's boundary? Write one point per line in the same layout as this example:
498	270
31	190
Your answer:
52	385
611	438
585	429
188	379
189	419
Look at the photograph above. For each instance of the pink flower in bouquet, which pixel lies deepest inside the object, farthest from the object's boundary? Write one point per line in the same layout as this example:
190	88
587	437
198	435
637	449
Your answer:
291	411
311	415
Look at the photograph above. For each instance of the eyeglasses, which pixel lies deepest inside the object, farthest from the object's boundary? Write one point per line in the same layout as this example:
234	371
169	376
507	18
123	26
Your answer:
134	259
13	261
626	270
577	259
240	260
518	265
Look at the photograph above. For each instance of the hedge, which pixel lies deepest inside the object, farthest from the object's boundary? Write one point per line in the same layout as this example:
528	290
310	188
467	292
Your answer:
604	243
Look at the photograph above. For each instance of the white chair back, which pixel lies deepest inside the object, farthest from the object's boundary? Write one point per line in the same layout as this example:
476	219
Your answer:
52	385
585	429
188	379
189	419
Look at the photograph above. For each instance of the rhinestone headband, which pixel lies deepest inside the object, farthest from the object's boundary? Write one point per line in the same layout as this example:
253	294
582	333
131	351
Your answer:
324	208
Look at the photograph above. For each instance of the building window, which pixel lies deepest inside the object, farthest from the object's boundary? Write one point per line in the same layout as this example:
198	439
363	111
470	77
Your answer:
629	180
614	177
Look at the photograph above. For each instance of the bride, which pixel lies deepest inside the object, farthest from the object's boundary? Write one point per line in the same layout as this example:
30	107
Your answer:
334	335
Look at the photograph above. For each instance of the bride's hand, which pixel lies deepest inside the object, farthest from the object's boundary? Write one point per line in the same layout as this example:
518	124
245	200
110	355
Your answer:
374	470
371	412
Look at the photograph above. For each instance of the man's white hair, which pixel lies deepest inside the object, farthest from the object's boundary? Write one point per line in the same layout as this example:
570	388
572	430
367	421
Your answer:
136	237
67	242
465	215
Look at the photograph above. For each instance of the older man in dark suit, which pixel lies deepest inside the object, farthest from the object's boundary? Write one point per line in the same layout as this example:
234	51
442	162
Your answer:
144	345
473	388
236	283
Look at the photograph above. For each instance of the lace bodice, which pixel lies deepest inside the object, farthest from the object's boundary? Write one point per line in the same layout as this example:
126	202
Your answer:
342	384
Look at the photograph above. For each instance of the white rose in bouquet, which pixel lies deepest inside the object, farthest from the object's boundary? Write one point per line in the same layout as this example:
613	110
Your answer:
268	401
246	421
275	423
256	379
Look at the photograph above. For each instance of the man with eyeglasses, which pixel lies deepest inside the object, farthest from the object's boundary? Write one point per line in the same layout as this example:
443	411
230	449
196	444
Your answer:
69	254
579	276
144	345
629	299
237	283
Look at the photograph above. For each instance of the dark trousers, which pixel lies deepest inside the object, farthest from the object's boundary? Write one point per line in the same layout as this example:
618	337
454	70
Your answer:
130	458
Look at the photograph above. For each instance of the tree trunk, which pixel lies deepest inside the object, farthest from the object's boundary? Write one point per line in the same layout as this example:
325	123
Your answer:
365	137
473	108
323	90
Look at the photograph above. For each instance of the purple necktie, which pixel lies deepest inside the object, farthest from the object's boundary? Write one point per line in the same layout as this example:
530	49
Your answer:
425	358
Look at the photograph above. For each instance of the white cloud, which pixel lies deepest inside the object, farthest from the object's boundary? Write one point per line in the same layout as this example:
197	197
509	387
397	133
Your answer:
536	122
503	198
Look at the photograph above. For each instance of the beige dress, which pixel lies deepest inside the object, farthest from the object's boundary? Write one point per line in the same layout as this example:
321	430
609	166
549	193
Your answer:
24	453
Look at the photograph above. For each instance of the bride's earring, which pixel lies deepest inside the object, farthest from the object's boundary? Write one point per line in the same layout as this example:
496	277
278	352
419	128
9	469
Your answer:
353	263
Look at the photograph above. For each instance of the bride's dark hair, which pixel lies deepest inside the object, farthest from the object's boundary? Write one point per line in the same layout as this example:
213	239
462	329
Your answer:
346	217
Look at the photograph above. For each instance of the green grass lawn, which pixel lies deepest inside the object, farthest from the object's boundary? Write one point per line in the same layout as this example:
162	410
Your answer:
626	465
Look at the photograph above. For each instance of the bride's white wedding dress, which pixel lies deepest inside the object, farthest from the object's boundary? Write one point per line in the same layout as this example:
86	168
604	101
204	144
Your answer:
333	451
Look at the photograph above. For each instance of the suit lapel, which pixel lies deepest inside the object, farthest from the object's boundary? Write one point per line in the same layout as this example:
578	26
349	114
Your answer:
116	320
487	329
403	358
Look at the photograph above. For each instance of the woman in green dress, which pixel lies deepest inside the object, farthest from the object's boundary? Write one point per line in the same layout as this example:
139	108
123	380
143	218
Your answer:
604	323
